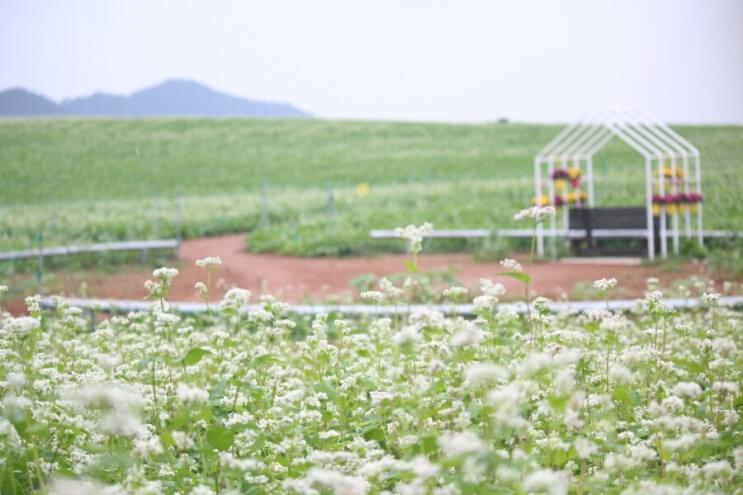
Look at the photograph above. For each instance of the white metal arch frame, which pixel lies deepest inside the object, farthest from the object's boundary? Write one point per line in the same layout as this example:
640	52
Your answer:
653	140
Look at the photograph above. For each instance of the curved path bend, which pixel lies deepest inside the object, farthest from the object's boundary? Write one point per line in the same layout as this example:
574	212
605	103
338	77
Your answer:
318	279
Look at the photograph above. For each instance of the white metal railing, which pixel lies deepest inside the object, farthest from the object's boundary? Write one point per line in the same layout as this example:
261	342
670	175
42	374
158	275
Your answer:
443	233
125	306
90	248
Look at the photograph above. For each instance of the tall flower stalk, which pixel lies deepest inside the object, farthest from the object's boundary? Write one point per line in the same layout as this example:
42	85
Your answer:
414	235
536	215
210	264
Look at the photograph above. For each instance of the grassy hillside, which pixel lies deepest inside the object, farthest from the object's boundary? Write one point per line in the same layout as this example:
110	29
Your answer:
292	182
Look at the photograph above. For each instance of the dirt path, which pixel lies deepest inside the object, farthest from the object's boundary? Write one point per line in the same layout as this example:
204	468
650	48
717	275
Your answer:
307	279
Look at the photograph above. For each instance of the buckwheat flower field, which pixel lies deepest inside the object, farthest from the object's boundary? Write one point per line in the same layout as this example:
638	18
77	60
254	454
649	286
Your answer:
257	402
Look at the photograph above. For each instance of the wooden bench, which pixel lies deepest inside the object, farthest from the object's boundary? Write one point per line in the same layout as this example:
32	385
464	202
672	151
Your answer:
627	225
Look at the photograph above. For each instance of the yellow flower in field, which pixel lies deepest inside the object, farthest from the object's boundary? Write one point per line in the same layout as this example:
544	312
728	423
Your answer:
362	190
543	200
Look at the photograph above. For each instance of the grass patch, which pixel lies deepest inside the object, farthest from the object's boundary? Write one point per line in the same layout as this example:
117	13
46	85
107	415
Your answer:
292	184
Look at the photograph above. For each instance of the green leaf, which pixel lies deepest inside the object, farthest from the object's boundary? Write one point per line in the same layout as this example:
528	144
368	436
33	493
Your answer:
143	363
559	457
430	444
410	266
220	437
520	276
217	392
327	389
265	360
375	434
622	395
194	356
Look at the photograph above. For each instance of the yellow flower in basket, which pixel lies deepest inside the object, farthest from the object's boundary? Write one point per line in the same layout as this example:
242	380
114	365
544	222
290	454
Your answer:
362	190
668	172
574	172
560	185
576	196
543	200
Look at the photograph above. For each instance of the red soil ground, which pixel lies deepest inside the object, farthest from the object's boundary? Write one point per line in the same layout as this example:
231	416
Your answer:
307	279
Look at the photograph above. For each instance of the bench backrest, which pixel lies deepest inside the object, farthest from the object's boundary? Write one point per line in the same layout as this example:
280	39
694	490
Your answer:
608	218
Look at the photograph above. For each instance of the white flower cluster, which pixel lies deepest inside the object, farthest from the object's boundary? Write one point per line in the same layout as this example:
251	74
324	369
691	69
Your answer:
189	394
536	213
234	299
410	405
489	297
387	293
455	292
605	284
210	262
511	265
414	235
158	289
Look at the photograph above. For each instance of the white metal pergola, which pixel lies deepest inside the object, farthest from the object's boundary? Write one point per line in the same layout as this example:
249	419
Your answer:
656	142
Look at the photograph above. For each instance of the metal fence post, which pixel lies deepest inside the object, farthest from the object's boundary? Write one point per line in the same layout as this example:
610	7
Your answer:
264	218
40	263
178	218
330	210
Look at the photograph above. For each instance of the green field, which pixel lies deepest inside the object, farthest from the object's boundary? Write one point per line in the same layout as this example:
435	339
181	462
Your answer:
292	183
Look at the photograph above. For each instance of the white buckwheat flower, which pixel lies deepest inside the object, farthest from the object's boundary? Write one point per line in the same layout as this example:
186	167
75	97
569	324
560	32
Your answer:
201	289
210	262
605	284
546	481
511	265
339	483
414	235
407	335
188	394
488	288
686	389
536	213
460	443
710	298
455	292
484	373
372	295
165	274
235	299
470	334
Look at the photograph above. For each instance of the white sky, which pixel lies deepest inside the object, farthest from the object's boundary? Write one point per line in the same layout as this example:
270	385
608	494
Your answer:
466	60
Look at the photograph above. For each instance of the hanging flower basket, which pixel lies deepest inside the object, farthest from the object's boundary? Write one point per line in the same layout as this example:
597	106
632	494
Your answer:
543	200
658	201
574	174
692	201
668	172
560	177
673	203
577	198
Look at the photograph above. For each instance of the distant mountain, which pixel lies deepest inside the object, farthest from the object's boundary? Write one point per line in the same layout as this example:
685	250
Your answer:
18	101
171	98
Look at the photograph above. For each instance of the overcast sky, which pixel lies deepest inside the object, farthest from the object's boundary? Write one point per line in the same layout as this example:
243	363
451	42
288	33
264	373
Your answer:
458	60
